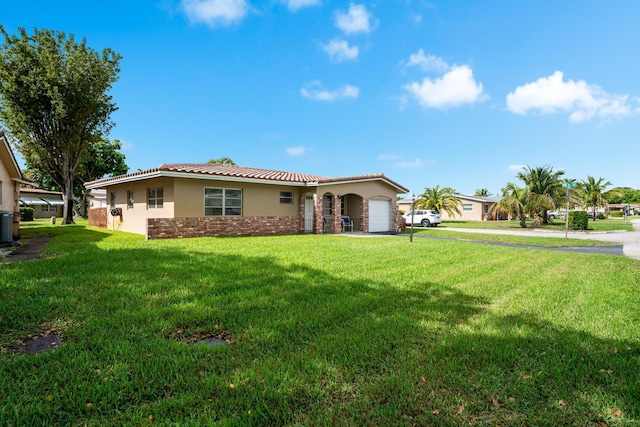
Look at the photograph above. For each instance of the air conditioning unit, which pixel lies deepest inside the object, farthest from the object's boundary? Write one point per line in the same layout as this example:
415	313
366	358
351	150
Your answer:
116	211
6	226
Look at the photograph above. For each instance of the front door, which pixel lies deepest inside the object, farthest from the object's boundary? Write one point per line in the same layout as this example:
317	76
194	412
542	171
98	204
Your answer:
308	213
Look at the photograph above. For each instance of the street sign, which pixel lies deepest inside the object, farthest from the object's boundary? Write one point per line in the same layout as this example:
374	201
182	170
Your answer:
568	184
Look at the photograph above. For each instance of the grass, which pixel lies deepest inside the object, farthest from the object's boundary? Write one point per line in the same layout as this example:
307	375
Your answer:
508	239
608	224
325	330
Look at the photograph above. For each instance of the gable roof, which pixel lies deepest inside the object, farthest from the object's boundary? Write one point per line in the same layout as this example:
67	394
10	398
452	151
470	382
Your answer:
238	173
9	160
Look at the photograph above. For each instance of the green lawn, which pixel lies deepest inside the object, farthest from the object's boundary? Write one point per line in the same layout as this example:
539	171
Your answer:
608	224
324	330
443	233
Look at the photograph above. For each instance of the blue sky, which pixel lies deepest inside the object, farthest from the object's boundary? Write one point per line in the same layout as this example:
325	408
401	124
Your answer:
459	94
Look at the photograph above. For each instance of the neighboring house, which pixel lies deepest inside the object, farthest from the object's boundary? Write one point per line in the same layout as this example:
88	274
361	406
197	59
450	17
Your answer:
10	180
44	203
192	200
472	208
97	199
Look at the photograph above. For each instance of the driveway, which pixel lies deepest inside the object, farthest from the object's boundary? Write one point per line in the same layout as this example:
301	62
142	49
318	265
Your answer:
628	241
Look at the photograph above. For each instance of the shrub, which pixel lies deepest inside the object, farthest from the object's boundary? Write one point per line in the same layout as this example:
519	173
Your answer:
26	214
601	216
578	220
617	214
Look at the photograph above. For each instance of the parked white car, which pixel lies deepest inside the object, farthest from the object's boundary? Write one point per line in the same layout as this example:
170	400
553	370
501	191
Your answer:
426	218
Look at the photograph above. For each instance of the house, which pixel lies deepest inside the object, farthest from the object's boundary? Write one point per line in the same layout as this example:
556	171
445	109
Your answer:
472	208
44	203
10	180
192	200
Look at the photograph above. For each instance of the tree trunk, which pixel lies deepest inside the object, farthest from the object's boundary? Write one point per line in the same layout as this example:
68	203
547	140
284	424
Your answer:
67	198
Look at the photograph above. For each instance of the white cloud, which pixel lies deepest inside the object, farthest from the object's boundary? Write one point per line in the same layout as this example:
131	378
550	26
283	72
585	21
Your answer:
427	62
388	157
417	163
581	100
516	168
339	50
215	12
295	5
356	20
315	91
454	88
296	151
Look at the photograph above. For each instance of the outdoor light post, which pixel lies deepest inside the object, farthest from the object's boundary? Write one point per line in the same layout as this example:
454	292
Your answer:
413	205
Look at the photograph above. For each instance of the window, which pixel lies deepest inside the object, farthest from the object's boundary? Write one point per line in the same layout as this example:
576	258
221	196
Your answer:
112	199
48	208
467	207
155	198
286	197
328	205
129	199
222	202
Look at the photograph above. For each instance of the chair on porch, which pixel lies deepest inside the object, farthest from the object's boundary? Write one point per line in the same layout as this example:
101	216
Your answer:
325	224
347	224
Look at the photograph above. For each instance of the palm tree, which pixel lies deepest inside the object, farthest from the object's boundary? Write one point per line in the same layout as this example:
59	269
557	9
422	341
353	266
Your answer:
440	200
591	192
482	192
544	189
513	202
222	161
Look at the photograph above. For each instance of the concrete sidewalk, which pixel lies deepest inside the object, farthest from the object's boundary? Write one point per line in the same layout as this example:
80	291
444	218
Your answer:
28	251
629	239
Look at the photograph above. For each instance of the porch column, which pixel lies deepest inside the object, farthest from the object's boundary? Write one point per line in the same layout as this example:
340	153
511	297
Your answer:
317	215
337	218
364	208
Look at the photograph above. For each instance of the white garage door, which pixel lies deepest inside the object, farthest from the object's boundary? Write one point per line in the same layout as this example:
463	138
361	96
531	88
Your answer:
379	215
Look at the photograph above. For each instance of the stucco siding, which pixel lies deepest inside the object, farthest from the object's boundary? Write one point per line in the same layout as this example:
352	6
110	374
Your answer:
257	199
134	220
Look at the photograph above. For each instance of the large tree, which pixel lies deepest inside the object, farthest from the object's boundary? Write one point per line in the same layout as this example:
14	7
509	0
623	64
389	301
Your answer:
592	191
544	188
439	199
54	101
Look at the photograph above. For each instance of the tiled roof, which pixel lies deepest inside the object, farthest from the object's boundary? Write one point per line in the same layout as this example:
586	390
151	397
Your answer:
238	172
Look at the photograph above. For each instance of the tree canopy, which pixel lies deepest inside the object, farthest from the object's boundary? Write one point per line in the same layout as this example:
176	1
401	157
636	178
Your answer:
222	161
544	188
54	102
439	199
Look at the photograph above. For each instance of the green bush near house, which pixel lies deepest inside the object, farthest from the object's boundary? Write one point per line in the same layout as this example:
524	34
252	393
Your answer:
616	214
26	214
578	220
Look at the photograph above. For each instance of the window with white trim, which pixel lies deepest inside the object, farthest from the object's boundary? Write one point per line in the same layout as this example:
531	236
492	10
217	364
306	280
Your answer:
286	197
467	207
222	202
155	198
129	199
48	208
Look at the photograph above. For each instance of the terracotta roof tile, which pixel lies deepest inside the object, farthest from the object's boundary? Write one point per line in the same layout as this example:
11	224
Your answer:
234	171
239	172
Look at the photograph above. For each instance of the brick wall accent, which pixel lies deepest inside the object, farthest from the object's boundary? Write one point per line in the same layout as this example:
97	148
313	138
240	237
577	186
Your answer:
365	215
170	228
98	217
